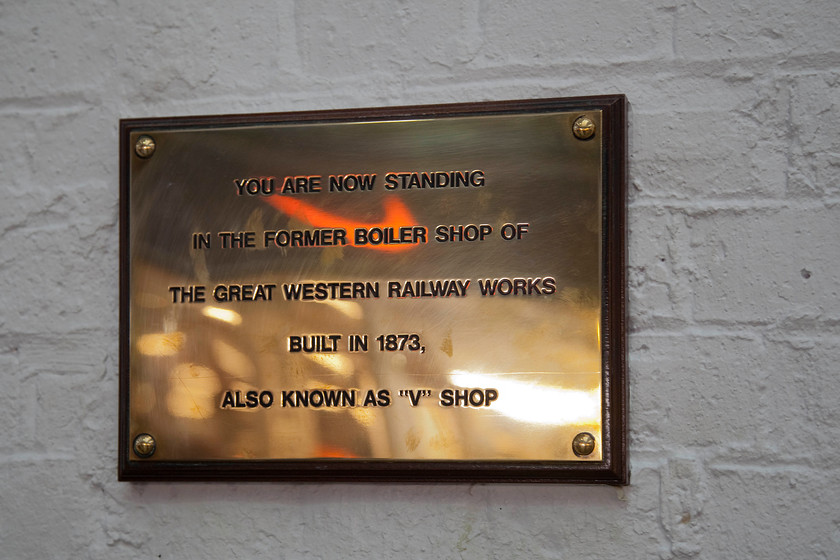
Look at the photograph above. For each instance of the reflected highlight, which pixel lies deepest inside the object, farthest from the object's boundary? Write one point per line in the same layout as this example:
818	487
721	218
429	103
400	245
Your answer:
333	362
161	344
193	391
397	215
535	403
349	308
226	315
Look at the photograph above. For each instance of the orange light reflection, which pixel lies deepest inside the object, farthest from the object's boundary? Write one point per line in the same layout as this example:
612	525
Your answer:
397	215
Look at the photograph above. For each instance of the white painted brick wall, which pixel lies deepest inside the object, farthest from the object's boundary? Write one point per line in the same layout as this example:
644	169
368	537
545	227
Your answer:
734	217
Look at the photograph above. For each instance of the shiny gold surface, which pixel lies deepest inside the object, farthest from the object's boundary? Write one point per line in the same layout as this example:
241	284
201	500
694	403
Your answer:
583	444
584	128
531	363
144	445
145	146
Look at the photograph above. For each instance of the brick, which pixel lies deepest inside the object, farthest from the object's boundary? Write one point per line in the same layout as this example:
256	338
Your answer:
341	40
711	154
724	30
683	496
658	267
764	265
815	148
73	238
770	513
756	397
519	32
44	164
17	403
45	512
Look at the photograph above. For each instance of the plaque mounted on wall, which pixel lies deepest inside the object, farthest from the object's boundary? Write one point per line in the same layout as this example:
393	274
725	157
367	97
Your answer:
426	293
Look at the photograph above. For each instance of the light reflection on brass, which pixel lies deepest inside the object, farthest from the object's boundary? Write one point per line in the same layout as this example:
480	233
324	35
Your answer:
350	309
584	128
226	315
541	352
528	401
192	391
144	445
160	344
231	360
145	146
338	364
143	398
583	444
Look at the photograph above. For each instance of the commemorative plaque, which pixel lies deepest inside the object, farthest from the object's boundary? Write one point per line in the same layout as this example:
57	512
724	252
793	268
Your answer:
428	293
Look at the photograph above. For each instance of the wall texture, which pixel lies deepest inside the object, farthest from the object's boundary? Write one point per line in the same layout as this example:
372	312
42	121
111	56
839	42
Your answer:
734	213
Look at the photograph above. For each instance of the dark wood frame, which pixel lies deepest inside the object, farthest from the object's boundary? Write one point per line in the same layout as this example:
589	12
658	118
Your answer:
613	469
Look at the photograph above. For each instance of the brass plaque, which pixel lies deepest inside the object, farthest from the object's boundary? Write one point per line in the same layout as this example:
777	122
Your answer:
424	293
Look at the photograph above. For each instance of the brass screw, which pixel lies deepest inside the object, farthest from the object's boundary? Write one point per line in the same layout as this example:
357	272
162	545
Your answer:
584	128
144	445
145	146
583	444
